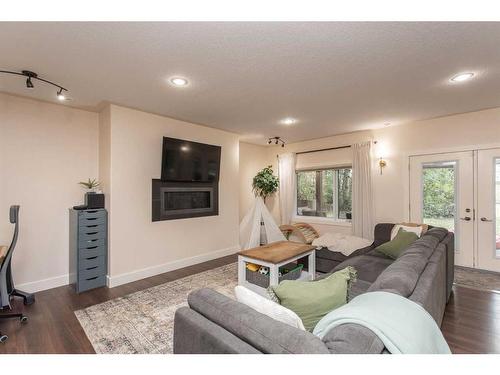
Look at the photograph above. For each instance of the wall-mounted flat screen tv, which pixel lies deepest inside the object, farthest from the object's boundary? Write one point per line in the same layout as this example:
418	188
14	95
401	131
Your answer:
189	161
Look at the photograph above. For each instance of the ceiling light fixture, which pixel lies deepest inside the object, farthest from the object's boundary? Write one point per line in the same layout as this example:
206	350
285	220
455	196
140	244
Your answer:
462	77
276	140
179	81
288	121
60	95
33	76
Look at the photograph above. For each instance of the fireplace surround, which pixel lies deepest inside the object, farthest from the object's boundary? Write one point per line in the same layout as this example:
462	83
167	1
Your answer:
181	200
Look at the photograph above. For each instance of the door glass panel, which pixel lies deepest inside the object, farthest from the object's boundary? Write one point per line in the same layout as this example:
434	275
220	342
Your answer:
439	195
497	207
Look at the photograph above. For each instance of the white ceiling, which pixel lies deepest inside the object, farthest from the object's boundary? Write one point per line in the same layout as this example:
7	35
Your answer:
333	77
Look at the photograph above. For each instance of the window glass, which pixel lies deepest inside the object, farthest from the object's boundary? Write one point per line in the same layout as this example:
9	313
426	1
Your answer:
325	193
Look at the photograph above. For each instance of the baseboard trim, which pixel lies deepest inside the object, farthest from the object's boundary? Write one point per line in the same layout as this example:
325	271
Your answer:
124	278
38	286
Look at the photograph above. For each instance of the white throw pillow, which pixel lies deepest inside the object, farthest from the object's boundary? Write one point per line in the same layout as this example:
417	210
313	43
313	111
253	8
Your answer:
267	307
397	227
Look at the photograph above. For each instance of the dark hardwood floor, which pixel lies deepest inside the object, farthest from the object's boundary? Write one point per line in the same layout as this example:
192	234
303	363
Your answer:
471	323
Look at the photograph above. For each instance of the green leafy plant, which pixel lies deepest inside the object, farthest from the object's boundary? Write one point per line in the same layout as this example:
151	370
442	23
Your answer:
265	183
90	184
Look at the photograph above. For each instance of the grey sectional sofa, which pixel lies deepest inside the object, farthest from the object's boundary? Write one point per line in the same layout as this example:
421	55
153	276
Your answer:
214	323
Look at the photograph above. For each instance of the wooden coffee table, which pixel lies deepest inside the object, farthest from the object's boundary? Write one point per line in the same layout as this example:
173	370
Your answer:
274	256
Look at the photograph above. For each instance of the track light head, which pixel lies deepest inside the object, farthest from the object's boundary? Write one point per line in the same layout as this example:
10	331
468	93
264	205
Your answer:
60	95
29	84
282	145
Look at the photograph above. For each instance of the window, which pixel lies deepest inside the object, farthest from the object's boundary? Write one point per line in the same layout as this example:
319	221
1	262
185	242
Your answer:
325	193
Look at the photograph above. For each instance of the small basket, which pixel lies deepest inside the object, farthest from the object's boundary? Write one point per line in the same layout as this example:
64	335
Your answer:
261	280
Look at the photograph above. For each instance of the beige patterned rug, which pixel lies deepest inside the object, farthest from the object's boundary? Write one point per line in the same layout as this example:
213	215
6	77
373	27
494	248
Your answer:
477	279
143	322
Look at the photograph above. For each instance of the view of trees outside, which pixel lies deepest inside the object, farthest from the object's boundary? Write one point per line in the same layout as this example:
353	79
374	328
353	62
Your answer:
344	183
325	193
306	191
439	196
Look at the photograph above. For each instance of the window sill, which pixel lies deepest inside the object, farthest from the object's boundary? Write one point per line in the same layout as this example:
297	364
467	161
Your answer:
321	220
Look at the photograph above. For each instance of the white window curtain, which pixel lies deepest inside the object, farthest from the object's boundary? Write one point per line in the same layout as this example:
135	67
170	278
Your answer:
362	196
286	171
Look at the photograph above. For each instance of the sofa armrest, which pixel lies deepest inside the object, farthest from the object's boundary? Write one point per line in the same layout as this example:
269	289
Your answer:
258	330
195	334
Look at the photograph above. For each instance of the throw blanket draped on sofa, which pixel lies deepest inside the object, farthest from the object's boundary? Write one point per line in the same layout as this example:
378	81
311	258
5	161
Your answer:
402	325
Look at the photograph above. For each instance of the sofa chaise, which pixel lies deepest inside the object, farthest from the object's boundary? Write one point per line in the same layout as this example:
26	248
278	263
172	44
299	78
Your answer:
214	323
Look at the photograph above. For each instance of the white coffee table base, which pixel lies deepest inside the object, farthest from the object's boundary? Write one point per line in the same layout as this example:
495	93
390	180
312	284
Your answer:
274	270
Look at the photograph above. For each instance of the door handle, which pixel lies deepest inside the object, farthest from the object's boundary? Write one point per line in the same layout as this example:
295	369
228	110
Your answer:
485	219
467	218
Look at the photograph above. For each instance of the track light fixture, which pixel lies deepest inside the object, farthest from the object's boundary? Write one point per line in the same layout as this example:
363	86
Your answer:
276	140
33	76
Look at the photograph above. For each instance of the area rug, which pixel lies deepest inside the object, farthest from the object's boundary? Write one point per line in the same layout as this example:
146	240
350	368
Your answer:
143	322
477	279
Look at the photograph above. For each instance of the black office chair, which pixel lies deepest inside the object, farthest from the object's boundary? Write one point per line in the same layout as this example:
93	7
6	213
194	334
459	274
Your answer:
7	290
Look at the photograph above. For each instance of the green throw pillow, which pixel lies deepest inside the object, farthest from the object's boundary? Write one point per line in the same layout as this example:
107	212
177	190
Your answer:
312	300
394	248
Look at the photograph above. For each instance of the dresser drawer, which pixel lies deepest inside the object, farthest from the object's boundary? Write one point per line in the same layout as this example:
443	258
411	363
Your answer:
89	236
87	263
91	214
90	283
92	272
92	251
92	244
91	221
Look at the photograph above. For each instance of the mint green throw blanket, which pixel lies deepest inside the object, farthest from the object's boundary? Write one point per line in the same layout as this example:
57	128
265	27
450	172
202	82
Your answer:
402	325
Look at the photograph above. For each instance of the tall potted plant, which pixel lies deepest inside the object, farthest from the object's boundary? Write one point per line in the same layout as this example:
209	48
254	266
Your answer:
264	184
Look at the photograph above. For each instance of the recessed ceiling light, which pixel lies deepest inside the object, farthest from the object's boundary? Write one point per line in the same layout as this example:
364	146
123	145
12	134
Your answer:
288	121
179	81
462	77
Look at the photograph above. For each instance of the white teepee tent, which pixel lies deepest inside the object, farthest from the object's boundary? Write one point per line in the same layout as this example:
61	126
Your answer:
250	226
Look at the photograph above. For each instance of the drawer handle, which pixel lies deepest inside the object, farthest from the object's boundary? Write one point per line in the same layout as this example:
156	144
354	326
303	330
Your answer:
92	212
94	240
91	233
92	278
91	258
92	226
92	247
91	268
91	218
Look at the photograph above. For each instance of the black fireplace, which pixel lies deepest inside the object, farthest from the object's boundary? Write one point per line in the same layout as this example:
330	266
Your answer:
181	200
189	185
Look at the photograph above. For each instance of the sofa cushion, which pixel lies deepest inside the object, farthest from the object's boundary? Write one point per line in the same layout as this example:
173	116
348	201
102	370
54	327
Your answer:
368	267
330	255
262	332
398	244
312	300
402	275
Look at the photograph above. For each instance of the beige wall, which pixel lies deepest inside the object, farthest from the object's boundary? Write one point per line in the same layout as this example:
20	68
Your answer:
140	247
253	158
45	150
451	133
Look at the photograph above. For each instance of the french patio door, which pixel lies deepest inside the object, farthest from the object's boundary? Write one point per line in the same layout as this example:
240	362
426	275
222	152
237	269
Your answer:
488	209
442	194
461	192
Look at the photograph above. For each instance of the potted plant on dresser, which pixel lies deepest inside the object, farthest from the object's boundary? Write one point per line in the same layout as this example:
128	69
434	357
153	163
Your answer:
94	198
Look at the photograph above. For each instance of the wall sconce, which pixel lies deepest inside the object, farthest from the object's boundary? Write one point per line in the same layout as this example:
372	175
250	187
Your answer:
382	164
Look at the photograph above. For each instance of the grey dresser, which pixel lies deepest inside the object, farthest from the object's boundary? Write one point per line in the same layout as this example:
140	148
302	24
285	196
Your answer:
88	244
